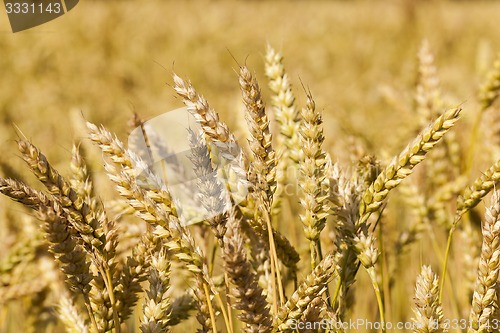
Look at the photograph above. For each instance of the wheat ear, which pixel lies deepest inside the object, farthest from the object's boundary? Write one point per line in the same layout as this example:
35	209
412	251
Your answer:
155	207
68	313
484	300
428	95
83	219
57	230
287	117
212	194
314	174
402	166
313	286
491	88
263	166
428	310
478	190
246	294
155	311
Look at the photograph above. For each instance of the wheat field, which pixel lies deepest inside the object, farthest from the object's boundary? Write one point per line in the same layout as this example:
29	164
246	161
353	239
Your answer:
330	166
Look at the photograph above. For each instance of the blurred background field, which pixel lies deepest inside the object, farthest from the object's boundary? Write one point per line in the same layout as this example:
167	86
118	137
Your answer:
108	59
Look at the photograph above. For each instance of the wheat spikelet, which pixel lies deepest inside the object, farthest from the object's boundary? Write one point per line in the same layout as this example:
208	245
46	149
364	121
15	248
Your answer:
286	115
24	194
484	301
402	166
220	136
155	206
81	180
283	101
134	272
312	315
345	197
